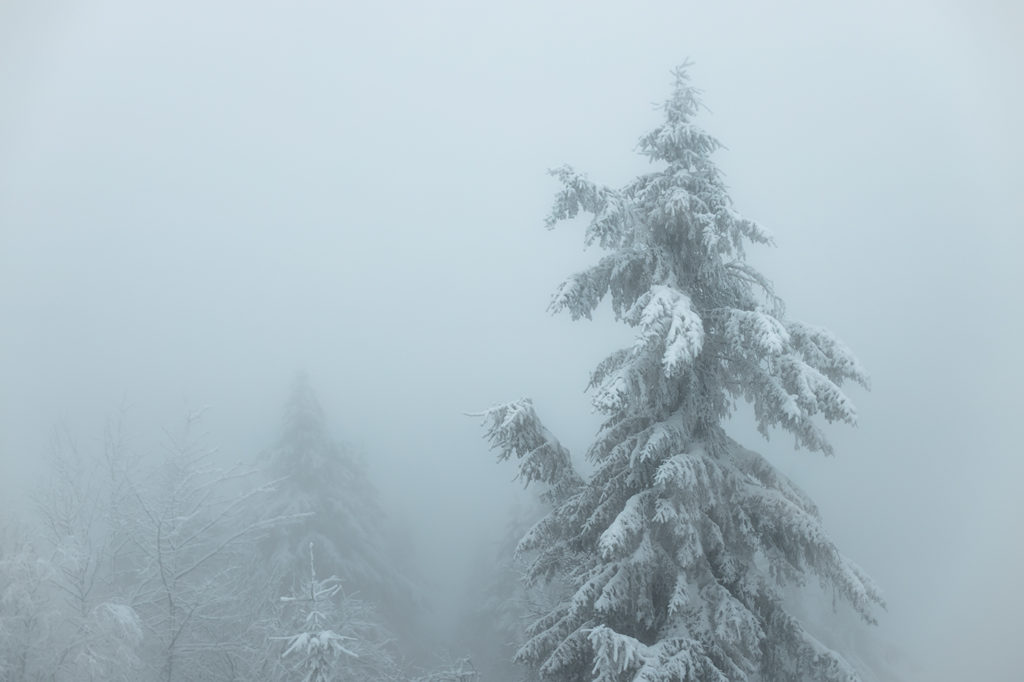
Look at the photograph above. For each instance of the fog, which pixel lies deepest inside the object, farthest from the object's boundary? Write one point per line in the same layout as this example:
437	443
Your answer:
197	200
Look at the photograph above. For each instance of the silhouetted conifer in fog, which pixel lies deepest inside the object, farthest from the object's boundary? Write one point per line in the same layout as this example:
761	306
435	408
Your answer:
325	480
679	544
501	602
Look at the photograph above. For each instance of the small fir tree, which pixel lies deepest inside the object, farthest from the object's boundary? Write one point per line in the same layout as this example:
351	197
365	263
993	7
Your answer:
339	638
678	546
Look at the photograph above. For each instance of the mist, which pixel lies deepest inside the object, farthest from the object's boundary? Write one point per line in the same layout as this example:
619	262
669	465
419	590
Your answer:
199	200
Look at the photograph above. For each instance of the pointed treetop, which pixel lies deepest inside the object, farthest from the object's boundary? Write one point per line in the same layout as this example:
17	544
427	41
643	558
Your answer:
303	411
711	329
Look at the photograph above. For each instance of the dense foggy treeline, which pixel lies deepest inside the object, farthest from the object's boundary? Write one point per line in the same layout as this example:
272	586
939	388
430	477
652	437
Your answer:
168	565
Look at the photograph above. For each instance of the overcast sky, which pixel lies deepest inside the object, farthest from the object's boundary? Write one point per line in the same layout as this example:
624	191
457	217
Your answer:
199	198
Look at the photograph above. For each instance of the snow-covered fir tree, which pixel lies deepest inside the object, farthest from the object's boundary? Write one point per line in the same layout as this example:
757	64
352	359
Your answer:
335	637
326	482
679	545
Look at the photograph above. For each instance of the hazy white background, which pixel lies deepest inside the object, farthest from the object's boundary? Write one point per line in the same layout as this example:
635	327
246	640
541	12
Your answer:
198	198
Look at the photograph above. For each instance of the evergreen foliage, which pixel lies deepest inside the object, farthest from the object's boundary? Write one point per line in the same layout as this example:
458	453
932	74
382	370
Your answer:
504	602
679	543
324	485
339	638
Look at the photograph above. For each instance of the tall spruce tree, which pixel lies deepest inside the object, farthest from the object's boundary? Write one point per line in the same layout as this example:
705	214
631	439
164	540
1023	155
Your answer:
678	546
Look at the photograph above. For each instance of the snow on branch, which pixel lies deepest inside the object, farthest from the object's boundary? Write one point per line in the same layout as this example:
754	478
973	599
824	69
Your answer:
515	431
